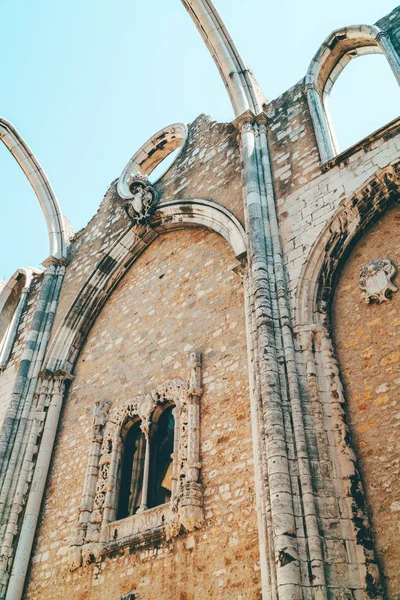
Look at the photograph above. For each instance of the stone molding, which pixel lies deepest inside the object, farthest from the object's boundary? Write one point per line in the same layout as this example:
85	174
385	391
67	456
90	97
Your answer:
375	280
354	216
150	154
179	214
329	61
97	530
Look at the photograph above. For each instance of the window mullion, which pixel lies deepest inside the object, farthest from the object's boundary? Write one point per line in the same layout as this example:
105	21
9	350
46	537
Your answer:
145	426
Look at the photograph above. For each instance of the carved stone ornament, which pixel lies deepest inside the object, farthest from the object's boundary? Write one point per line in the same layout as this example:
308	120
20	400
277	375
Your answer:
143	202
97	530
375	280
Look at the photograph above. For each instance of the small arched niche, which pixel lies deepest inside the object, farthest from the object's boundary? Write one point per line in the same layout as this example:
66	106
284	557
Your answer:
151	154
341	47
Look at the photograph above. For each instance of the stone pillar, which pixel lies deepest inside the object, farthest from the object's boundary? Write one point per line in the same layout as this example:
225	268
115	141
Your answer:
327	403
191	502
319	118
59	382
146	427
100	412
285	559
389	51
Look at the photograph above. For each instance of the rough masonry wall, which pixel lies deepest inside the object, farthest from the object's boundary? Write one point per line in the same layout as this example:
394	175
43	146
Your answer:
180	294
294	153
7	377
208	167
368	345
308	197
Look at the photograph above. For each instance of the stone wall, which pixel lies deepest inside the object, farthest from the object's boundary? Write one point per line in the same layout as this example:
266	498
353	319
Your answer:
367	342
180	294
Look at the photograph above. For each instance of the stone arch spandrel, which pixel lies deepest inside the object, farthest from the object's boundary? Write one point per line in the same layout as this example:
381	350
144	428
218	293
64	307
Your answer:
367	341
180	292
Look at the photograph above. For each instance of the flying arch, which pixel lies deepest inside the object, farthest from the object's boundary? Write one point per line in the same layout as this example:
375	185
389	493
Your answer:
31	167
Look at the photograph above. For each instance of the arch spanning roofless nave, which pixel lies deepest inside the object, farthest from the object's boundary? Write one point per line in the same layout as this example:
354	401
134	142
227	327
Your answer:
199	394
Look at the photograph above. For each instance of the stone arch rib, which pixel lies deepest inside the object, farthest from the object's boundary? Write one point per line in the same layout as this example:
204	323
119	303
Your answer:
239	82
180	214
354	217
41	186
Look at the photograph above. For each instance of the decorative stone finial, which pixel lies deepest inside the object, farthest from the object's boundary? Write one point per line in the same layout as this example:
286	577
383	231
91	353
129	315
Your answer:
375	280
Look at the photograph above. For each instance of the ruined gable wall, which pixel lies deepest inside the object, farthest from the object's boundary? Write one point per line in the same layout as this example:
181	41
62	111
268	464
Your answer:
208	167
367	341
180	293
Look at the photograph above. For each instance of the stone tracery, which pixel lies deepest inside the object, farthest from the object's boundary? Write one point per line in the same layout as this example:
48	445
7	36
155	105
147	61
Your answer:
97	525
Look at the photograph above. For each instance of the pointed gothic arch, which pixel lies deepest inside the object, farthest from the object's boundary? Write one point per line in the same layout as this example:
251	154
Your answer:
242	89
171	216
354	217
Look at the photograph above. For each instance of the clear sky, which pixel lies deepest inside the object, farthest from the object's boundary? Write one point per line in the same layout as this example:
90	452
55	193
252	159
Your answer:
86	83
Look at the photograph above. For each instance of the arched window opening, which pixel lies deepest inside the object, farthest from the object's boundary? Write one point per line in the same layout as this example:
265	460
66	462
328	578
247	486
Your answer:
162	445
132	472
364	98
147	483
165	144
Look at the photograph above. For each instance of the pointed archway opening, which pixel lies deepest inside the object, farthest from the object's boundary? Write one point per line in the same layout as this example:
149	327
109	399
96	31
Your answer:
364	98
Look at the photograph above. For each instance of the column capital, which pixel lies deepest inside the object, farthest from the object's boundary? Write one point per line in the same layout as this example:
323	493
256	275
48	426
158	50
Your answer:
52	261
382	34
58	374
247	117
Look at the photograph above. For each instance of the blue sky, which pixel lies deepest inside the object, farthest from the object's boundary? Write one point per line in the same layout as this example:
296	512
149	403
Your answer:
86	83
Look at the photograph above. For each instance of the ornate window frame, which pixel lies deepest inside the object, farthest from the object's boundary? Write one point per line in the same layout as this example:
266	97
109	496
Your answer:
97	530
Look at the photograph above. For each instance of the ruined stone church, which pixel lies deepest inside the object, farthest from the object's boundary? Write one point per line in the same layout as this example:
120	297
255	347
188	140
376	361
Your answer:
199	392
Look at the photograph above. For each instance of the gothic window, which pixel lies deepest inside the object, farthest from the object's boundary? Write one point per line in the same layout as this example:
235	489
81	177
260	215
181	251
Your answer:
342	46
132	472
143	473
144	485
